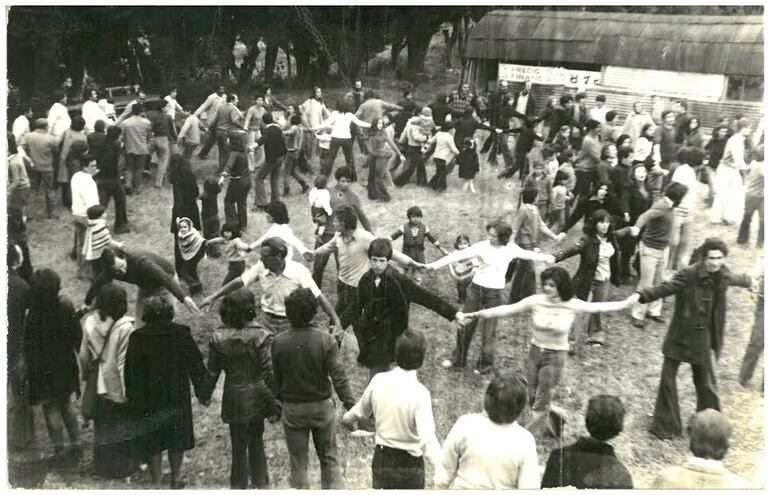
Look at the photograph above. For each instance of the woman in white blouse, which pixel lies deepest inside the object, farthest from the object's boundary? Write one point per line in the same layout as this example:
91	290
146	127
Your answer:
490	450
340	121
278	217
485	290
553	313
648	154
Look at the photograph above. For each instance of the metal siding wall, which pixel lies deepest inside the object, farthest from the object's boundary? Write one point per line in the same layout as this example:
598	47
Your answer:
705	86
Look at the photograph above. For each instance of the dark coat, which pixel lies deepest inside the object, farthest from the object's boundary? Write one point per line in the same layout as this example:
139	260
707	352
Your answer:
633	202
380	325
529	111
586	208
698	324
244	356
588	248
18	303
465	127
52	339
185	194
161	361
272	139
467	163
587	463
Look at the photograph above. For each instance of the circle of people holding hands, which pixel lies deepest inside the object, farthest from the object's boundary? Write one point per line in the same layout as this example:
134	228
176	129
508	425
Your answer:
132	374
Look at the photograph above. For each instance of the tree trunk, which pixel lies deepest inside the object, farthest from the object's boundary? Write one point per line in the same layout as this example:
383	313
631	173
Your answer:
417	49
271	55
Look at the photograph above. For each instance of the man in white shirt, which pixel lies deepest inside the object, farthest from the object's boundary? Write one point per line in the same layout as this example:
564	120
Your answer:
599	112
210	107
523	103
92	112
341	122
278	277
681	224
58	117
313	112
171	105
21	125
405	432
84	196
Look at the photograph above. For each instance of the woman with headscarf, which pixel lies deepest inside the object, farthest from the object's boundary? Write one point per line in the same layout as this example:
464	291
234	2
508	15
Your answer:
105	339
184	188
161	361
241	349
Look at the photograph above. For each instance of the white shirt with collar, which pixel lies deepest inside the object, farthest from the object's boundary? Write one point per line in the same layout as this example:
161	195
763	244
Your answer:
521	103
276	288
340	124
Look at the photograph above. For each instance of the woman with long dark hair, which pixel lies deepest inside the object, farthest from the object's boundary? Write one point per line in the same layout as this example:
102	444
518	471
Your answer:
51	340
599	266
105	338
161	361
553	313
377	141
242	350
601	198
635	200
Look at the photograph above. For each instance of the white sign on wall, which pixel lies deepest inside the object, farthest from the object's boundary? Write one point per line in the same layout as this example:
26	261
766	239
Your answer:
581	79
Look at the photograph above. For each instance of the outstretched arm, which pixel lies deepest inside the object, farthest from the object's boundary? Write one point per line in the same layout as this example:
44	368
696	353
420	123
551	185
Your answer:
602	307
507	310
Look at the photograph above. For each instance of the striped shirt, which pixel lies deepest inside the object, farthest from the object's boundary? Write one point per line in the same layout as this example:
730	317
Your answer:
97	238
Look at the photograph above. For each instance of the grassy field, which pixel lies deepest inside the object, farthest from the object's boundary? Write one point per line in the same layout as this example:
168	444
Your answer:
629	365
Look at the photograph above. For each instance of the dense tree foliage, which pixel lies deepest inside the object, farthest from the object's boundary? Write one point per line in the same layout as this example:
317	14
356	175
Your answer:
193	45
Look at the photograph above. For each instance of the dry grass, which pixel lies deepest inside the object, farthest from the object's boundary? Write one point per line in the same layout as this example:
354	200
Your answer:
628	367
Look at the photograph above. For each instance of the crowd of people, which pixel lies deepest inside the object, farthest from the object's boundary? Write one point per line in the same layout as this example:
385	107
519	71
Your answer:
634	188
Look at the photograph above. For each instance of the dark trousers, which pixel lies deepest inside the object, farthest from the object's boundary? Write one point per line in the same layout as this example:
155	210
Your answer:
112	439
358	135
396	469
519	165
291	168
544	370
378	177
317	419
584	181
188	148
223	149
320	260
235	201
249	459
48	182
134	170
478	298
414	161
524	282
113	189
271	168
211	138
438	181
627	247
667	421
462	289
234	270
753	204
756	345
347	150
347	299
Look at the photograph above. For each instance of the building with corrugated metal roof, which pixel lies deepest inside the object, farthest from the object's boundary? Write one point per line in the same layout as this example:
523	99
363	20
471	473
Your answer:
716	63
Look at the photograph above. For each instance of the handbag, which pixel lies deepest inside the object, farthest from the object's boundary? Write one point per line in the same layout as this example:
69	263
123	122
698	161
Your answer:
88	401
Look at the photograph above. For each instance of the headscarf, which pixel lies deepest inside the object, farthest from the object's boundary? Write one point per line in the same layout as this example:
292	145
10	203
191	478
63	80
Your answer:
191	242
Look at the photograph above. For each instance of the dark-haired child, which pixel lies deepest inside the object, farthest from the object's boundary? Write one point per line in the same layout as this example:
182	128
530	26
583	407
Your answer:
293	137
210	214
538	180
234	249
415	232
557	215
320	199
97	238
468	164
462	272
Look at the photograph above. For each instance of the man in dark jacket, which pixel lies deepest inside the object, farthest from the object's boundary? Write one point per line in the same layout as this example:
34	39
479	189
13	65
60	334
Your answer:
590	462
306	364
151	273
275	150
384	296
696	330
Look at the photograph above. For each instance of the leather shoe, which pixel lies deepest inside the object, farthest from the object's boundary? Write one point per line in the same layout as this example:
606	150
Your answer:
658	318
637	323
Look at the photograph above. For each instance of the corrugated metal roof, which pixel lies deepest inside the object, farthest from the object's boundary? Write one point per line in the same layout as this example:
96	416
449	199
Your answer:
707	44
